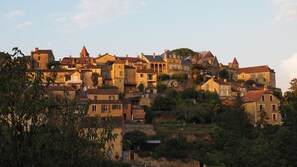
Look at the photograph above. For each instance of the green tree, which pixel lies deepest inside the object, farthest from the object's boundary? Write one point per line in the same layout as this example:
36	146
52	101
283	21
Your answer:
161	88
95	78
36	131
163	77
184	52
134	138
140	87
163	103
224	74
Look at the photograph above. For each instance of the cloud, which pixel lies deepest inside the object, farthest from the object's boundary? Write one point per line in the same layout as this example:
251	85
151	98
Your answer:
23	25
288	68
91	13
13	14
287	10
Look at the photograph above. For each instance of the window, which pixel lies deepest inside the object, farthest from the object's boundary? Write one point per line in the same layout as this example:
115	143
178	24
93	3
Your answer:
116	107
104	108
150	77
270	98
95	97
274	116
38	64
111	97
273	107
38	58
68	77
121	73
125	106
263	98
261	107
141	75
94	108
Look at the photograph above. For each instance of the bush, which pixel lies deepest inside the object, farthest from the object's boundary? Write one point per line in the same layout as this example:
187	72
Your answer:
163	77
161	88
149	116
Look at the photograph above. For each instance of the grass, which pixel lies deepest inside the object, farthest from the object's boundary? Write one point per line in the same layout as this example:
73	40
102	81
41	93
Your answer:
175	127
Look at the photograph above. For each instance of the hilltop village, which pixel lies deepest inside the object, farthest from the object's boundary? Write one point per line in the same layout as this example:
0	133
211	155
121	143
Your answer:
124	87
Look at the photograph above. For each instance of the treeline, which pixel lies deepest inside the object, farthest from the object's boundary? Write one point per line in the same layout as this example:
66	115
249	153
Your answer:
36	130
234	141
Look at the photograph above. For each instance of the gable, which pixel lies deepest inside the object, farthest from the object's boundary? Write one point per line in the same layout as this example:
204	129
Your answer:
105	58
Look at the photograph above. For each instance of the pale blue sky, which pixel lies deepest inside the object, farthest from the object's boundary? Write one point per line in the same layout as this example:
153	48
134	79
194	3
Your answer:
257	32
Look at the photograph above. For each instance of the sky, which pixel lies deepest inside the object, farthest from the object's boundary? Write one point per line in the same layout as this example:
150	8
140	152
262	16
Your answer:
256	32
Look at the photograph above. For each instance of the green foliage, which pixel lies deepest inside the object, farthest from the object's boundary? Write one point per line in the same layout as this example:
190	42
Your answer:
163	103
161	88
189	93
184	52
163	77
133	139
149	116
180	77
36	131
94	78
175	148
140	87
224	74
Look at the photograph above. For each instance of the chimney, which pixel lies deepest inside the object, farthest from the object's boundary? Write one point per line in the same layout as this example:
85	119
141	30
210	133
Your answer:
137	56
142	55
36	49
127	55
265	87
154	55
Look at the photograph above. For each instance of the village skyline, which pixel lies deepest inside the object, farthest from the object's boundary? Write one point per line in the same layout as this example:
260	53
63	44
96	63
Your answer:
257	33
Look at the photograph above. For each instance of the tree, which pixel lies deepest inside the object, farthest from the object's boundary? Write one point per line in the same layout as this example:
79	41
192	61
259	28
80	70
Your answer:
134	138
161	88
163	103
184	52
224	74
163	77
36	131
140	87
95	78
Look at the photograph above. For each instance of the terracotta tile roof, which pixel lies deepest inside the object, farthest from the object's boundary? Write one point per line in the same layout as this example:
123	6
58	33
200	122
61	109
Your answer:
84	52
228	102
90	66
60	88
42	51
102	91
254	95
145	71
208	55
221	82
235	61
130	59
106	102
129	67
255	69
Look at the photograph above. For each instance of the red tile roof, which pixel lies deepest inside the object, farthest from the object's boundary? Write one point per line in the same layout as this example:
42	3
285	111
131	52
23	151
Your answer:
254	95
235	61
145	71
102	91
221	82
255	69
84	52
208	55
